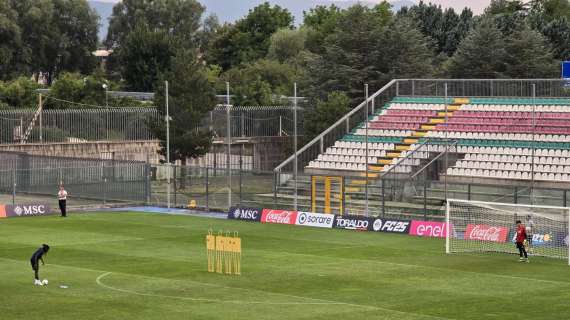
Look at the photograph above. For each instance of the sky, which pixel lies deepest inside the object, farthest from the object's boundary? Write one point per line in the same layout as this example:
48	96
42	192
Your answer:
476	5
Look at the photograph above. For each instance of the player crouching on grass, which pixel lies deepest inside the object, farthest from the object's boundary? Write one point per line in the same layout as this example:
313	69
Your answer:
35	259
521	238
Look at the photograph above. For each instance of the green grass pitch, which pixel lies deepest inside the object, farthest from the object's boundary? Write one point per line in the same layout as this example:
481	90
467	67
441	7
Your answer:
153	266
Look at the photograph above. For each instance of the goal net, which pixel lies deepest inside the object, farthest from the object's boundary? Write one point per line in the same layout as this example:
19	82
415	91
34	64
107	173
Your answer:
491	227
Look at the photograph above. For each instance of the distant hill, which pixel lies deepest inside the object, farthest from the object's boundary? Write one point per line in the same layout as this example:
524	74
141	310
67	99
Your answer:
231	10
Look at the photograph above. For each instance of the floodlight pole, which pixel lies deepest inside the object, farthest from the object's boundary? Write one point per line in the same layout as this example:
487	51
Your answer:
295	166
167	145
533	143
366	155
229	137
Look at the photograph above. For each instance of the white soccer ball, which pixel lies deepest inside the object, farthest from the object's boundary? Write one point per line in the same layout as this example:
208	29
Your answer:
45	282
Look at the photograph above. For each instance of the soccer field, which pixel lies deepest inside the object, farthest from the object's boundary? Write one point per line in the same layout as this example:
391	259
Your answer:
153	266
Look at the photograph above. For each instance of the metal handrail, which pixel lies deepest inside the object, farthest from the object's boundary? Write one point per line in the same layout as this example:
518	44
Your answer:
435	159
335	125
398	164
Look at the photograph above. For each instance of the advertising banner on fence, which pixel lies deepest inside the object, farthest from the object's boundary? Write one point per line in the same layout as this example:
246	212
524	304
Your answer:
428	229
318	220
543	239
352	222
24	210
246	214
393	226
279	216
485	232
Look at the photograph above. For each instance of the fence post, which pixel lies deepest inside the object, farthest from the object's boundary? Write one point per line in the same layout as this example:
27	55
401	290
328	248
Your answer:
425	196
240	175
207	189
383	198
41	121
280	126
147	173
242	125
347	125
275	187
174	176
14	187
104	191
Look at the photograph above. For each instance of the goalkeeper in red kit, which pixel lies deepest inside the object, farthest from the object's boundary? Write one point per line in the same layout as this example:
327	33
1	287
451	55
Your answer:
521	238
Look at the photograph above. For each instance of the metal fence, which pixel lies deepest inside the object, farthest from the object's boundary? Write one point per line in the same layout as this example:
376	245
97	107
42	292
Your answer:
512	88
252	121
27	178
76	125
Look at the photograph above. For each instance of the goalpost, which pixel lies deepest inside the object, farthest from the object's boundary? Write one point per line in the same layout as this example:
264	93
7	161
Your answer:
476	226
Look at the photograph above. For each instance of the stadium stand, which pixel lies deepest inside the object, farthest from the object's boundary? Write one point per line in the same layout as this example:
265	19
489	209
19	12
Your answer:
496	138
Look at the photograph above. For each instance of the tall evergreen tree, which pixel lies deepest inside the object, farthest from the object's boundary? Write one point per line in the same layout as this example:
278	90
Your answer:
191	97
529	56
481	55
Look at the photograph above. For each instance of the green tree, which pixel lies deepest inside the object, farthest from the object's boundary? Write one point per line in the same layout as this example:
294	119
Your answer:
402	52
261	82
508	15
144	56
326	113
19	93
10	39
57	35
349	55
481	55
179	19
550	10
287	44
191	97
249	38
80	89
558	34
320	22
529	56
445	28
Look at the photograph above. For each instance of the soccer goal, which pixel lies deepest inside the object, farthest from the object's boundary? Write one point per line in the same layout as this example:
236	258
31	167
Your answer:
475	226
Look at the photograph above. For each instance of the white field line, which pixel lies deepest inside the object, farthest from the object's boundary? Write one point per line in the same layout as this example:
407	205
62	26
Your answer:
316	301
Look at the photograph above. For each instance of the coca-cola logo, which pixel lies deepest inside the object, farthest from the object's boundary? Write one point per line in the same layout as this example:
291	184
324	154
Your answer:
484	232
278	216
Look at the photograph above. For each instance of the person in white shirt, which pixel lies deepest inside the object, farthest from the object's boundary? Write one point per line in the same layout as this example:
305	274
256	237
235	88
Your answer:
62	197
